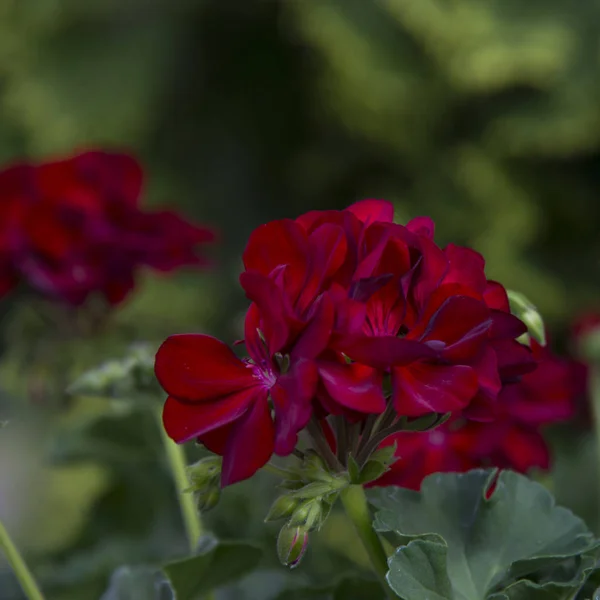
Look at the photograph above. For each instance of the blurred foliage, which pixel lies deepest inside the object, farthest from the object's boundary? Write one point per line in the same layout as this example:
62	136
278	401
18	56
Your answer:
484	114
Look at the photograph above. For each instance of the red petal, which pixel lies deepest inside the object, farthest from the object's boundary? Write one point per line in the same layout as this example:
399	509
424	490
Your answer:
482	407
462	323
422	388
292	398
466	267
354	386
199	367
430	272
275	312
525	449
514	359
250	444
369	211
275	244
184	421
383	351
422	226
506	326
495	296
315	337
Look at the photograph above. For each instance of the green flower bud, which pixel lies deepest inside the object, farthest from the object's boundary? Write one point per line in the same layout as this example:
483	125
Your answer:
521	307
308	515
282	508
207	498
292	543
204	473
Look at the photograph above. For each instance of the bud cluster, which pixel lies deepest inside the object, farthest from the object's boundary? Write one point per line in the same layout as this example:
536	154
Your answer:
204	477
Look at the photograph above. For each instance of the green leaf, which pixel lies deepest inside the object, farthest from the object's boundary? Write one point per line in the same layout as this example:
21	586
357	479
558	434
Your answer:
194	577
138	583
371	471
418	571
517	531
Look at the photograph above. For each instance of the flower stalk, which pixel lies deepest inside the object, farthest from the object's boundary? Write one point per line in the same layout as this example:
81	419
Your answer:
175	455
19	567
354	501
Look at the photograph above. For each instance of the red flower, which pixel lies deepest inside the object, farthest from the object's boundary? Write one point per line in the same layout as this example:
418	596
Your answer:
76	228
342	301
226	402
512	441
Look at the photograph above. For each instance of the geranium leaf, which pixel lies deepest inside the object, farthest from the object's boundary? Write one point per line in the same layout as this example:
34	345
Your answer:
515	531
418	571
138	583
192	578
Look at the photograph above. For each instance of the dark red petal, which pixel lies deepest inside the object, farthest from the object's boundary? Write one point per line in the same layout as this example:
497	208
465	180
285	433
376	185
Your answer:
184	421
216	441
250	443
506	326
462	324
199	367
354	386
482	406
371	210
384	351
495	296
525	449
275	312
422	388
430	273
466	267
422	226
514	359
292	398
315	337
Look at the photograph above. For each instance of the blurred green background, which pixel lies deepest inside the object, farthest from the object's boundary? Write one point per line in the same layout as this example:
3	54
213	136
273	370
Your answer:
484	114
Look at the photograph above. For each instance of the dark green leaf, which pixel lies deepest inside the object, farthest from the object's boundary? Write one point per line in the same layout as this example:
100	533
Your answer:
371	471
138	583
194	577
418	571
353	470
519	529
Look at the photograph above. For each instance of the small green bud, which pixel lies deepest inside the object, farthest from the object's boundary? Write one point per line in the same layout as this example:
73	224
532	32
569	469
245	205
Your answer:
292	543
208	498
308	514
282	508
204	473
314	469
521	307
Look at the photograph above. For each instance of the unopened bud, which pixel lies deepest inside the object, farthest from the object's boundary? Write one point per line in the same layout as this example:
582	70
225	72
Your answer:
314	468
282	508
521	307
308	514
204	473
291	545
207	498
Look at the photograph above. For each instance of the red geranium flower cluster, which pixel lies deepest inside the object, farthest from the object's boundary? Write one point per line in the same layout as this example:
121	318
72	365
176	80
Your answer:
74	227
347	309
512	441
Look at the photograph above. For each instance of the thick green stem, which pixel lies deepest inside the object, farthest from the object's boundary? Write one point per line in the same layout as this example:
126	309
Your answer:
177	463
355	504
23	574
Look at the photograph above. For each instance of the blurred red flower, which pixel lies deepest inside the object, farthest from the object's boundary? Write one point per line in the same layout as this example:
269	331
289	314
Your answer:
73	227
513	440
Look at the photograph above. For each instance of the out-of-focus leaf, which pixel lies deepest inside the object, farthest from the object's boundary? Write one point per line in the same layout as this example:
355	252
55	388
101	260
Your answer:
194	577
138	583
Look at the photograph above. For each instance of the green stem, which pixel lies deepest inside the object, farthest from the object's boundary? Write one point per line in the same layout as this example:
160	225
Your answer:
594	376
177	463
23	574
355	504
279	471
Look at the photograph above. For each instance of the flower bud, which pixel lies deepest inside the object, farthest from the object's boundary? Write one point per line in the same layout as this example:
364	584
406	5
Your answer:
308	515
204	473
207	498
291	545
314	469
282	508
521	307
